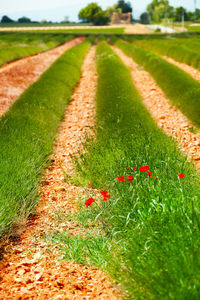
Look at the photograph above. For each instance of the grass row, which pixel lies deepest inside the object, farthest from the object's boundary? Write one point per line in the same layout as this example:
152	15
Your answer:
179	87
14	45
27	132
183	50
80	31
150	228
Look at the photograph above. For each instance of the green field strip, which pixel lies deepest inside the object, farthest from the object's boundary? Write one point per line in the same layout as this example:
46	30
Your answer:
27	132
185	51
178	86
150	227
14	46
79	31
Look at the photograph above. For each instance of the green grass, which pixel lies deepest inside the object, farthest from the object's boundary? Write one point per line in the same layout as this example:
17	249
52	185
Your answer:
179	87
150	228
17	45
193	28
182	50
80	31
27	132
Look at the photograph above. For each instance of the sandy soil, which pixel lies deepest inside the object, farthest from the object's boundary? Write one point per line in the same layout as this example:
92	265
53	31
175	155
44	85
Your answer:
19	75
194	73
34	269
129	29
168	117
136	29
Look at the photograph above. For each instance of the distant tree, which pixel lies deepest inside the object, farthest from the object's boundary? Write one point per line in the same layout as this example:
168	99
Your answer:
93	13
6	19
159	10
125	6
24	20
144	18
44	21
111	9
179	11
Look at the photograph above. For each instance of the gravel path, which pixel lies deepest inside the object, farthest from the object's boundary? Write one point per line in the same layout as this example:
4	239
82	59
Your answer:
168	117
34	269
194	73
19	75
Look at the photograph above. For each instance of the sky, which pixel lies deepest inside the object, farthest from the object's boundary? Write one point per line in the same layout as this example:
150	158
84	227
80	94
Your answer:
57	10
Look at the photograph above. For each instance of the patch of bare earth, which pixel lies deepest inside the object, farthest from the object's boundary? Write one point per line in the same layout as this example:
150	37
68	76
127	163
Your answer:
19	75
167	116
194	73
136	29
34	268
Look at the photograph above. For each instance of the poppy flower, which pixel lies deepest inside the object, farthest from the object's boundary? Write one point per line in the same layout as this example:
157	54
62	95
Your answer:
133	168
129	178
120	178
144	169
149	174
89	201
106	197
91	185
157	178
181	175
103	193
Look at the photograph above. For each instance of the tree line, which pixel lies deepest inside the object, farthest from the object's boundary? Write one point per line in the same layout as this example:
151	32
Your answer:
159	10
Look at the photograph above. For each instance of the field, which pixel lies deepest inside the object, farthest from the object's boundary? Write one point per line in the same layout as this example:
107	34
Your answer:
99	168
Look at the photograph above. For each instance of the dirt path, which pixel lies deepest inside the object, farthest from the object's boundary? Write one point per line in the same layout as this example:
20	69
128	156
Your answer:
194	73
34	269
169	118
19	75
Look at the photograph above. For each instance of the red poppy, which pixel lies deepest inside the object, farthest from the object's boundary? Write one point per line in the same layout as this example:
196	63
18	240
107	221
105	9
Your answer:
181	175
157	178
106	197
89	201
133	168
130	178
144	168
120	179
149	174
103	193
91	185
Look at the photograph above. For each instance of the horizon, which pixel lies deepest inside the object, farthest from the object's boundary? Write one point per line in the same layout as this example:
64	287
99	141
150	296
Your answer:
53	11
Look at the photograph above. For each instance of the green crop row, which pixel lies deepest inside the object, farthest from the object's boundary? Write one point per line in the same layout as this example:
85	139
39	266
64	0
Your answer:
179	87
15	45
150	240
27	132
186	51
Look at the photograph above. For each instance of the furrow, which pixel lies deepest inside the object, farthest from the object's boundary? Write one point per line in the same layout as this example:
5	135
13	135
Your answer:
167	117
35	269
194	73
19	75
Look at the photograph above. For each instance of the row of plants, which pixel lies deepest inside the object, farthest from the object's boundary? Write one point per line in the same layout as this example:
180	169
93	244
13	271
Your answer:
27	132
179	87
14	45
146	213
182	50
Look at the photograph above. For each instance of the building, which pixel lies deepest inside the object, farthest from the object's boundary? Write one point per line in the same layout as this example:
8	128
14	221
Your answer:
117	18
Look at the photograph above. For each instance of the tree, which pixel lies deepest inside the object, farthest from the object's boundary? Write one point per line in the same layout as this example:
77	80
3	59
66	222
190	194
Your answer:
24	20
94	13
125	6
111	9
179	11
144	18
6	19
159	10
